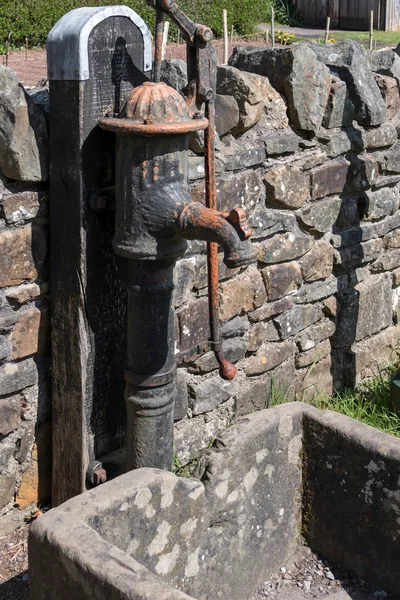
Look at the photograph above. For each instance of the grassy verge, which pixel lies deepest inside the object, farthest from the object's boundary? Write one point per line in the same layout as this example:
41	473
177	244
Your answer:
369	403
391	38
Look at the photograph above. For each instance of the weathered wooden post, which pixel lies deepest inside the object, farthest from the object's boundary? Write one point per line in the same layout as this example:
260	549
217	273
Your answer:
95	57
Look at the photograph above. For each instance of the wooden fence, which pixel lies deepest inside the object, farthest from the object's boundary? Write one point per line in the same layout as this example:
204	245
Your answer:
351	14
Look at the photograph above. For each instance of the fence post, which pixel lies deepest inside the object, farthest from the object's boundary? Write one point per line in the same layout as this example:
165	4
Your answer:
226	39
371	31
273	27
328	26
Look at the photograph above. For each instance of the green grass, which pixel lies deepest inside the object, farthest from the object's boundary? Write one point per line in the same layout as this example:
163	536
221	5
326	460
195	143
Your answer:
369	403
391	38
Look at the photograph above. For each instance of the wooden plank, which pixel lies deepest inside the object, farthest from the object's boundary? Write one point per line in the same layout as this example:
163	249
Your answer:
344	14
333	12
88	298
395	21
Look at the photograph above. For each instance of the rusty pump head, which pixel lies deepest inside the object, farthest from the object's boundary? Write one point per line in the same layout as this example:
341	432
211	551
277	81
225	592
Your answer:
154	211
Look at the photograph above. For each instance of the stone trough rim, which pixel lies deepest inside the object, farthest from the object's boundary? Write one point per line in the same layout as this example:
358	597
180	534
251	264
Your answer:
128	576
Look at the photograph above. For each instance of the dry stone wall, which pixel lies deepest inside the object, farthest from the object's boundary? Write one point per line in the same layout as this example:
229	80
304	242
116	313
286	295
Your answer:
308	144
318	174
25	411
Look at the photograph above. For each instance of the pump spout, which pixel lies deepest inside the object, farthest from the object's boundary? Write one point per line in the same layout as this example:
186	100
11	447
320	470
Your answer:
231	231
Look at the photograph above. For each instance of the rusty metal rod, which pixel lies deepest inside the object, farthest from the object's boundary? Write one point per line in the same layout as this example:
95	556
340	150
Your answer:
227	370
158	45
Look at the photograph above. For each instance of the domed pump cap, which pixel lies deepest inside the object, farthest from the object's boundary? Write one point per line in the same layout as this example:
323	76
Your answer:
154	109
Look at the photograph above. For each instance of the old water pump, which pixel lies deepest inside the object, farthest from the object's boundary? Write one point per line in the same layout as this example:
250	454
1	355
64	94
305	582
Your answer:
154	217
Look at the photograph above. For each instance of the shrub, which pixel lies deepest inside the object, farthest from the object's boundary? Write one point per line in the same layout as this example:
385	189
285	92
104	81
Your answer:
33	19
286	13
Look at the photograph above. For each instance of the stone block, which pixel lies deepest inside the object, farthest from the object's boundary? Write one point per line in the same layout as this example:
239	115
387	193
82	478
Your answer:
182	396
297	319
330	307
7	461
321	216
318	290
193	436
388	224
364	310
385	62
374	354
22	253
17	376
380	137
283	380
283	248
329	179
235	328
389	260
359	254
22	293
282	279
7	486
318	263
265	222
23	132
10	415
275	107
248	157
392	162
262	332
24	206
242	294
339	111
201	274
396	277
270	310
313	356
286	187
5	348
362	173
350	61
196	167
226	114
174	73
235	83
355	235
184	278
392	239
31	333
205	395
193	321
281	143
390	93
243	190
256	396
314	335
269	356
349	212
295	73
314	381
234	349
386	181
26	443
379	203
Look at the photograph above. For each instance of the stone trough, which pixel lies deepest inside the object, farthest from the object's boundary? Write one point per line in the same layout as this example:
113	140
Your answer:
276	475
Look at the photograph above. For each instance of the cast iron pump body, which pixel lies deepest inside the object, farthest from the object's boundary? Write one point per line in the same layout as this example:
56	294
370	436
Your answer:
154	218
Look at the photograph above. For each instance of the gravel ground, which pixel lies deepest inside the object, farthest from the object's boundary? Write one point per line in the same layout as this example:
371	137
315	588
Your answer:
14	564
309	576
